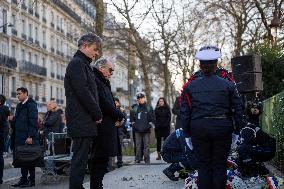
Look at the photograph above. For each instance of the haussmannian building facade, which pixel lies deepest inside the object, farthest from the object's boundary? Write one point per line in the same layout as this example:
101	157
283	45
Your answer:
37	40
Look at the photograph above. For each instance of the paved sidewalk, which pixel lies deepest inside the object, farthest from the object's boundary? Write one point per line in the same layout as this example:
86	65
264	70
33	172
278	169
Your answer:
140	176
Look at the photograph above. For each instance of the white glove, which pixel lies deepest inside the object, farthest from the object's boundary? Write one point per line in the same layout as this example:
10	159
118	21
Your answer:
234	139
189	143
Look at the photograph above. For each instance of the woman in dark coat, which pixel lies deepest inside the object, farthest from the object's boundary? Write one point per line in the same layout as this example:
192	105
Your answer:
107	141
163	123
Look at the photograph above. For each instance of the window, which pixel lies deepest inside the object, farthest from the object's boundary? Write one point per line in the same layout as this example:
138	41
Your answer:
14	20
23	54
43	90
52	17
43	11
36	33
4	21
43	36
57	93
13	84
30	30
43	62
36	59
23	26
51	92
30	57
52	41
13	51
36	89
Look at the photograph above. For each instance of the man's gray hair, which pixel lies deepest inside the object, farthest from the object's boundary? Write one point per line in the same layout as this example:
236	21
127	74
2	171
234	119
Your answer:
102	62
90	38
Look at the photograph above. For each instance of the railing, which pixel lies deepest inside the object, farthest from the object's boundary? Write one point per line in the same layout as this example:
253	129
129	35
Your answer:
31	39
67	10
24	36
8	62
30	68
37	42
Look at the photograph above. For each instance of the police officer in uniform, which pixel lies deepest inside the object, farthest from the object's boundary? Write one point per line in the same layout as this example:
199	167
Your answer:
208	104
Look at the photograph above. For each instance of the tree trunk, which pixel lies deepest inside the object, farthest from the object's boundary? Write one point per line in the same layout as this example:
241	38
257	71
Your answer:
100	11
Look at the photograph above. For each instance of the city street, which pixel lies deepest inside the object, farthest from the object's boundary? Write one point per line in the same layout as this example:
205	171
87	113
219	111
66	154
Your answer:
130	176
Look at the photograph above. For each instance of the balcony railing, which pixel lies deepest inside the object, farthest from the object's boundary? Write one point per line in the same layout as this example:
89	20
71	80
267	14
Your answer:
69	11
8	62
31	39
14	32
37	42
30	68
24	36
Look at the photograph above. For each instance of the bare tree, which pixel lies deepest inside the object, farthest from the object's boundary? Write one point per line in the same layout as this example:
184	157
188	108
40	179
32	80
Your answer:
166	29
100	12
127	10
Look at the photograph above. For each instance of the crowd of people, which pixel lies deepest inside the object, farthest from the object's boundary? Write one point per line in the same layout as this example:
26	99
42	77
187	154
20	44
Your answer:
208	111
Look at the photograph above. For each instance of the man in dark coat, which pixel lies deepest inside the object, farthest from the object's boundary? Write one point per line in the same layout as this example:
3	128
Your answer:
142	120
4	113
207	105
106	143
25	126
52	119
82	108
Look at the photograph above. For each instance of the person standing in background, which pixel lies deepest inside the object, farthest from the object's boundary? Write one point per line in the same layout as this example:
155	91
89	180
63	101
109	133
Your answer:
162	124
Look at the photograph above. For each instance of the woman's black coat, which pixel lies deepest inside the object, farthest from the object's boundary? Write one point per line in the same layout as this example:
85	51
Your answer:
106	143
163	121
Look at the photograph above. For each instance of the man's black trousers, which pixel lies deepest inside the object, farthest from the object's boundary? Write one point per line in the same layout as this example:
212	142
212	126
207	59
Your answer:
211	139
79	162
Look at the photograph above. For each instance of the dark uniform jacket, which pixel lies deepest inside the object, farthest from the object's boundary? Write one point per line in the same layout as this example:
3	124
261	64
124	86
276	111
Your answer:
25	123
82	107
52	122
106	143
141	117
211	96
163	121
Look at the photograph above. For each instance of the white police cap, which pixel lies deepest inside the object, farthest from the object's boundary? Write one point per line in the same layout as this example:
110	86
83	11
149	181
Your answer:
208	53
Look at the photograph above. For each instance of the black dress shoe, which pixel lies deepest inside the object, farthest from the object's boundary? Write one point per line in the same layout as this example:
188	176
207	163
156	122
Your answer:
21	182
28	184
